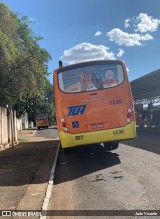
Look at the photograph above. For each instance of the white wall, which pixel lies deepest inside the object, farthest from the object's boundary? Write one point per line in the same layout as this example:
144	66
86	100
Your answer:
8	128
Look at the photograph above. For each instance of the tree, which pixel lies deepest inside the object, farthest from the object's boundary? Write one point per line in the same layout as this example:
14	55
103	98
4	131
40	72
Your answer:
23	67
39	104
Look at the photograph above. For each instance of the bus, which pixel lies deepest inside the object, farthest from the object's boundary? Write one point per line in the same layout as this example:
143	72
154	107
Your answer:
94	104
42	121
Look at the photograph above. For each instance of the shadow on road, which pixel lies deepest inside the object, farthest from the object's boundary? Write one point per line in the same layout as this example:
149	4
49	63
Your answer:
27	163
83	161
50	127
148	140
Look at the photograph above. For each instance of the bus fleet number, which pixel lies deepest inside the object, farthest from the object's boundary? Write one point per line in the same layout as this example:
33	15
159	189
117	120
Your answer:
80	137
118	132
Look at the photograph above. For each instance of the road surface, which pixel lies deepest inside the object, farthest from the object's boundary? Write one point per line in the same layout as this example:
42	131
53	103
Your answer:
125	179
51	132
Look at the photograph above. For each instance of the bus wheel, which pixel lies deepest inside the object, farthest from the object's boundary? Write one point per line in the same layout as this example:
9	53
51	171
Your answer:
38	128
109	146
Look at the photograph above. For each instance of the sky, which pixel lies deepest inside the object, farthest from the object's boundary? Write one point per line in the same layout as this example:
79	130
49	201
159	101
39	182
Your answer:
81	30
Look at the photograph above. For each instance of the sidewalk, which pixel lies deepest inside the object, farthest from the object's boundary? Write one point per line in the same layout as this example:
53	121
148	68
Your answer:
25	172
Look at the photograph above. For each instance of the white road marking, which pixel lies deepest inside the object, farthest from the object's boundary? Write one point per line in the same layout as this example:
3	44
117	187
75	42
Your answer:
50	184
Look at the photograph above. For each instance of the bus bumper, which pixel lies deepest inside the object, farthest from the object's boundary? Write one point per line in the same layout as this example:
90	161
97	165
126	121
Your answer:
42	125
116	134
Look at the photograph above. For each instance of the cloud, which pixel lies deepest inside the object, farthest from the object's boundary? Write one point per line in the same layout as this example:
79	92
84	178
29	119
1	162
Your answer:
86	52
98	33
124	38
120	53
126	23
146	23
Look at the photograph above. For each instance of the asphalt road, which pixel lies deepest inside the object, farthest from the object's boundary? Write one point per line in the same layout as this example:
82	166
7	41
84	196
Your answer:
148	140
51	132
125	179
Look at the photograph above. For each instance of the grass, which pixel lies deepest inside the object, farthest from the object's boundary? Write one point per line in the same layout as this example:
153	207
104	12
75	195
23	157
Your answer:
20	141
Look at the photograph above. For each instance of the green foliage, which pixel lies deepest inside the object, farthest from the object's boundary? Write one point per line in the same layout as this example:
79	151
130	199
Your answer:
38	104
23	67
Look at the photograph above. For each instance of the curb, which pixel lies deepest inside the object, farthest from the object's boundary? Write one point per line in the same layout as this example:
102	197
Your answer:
50	184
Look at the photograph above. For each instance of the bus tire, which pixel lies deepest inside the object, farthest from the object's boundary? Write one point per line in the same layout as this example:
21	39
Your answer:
38	128
109	146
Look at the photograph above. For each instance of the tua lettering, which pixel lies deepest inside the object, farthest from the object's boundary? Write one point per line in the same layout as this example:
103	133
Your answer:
75	110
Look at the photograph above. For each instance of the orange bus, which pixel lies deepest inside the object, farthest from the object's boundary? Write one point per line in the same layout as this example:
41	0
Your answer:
42	121
94	104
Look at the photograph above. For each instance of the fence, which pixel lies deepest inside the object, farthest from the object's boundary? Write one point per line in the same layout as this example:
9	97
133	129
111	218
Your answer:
8	128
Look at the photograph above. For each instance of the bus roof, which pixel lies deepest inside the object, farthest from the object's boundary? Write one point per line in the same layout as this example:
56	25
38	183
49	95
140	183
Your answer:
79	64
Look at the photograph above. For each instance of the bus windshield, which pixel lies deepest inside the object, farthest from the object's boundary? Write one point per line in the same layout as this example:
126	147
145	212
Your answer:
41	117
90	78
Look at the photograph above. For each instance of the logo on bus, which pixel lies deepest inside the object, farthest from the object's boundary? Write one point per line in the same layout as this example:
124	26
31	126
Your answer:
75	110
75	124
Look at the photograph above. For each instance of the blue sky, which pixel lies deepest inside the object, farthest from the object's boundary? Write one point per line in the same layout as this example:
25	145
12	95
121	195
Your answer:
80	30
